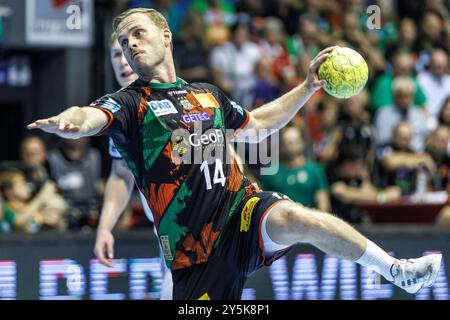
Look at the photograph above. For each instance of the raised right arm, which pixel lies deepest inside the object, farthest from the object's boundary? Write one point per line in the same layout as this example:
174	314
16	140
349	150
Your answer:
73	123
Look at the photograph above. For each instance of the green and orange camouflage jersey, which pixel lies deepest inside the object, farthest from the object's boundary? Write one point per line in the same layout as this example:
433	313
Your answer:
173	138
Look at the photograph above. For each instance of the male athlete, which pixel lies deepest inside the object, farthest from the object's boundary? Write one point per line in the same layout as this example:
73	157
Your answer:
120	183
215	228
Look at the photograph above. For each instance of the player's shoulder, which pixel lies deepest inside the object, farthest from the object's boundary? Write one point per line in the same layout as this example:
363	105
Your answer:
203	86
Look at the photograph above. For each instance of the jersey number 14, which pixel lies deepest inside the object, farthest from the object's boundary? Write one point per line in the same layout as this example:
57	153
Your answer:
219	177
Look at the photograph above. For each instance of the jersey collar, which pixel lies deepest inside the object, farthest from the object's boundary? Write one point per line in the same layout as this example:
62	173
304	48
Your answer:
159	85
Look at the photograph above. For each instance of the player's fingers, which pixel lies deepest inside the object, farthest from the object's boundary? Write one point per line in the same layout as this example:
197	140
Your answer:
33	125
38	124
322	83
327	50
315	64
54	120
100	254
62	125
110	248
72	128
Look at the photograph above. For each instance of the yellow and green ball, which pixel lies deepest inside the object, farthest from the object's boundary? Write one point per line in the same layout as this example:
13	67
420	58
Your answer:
345	71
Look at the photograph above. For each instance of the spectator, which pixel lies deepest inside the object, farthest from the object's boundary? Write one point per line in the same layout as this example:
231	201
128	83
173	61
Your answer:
266	88
382	92
288	11
353	34
407	41
444	113
191	50
304	44
437	144
302	180
444	117
234	63
34	158
76	169
272	47
4	226
322	130
350	185
403	109
387	33
354	127
399	164
26	214
436	82
433	35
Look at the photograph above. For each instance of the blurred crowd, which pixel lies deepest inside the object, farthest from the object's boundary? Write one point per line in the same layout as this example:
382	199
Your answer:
388	143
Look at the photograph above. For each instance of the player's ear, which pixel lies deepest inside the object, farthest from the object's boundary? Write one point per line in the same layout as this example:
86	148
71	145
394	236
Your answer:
167	37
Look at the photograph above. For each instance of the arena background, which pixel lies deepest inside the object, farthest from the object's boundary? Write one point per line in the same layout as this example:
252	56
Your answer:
44	66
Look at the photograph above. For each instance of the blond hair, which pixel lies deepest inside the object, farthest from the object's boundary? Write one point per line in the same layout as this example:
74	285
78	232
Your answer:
157	18
7	179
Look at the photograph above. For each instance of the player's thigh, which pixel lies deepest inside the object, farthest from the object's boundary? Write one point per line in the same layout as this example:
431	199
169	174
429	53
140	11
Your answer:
289	223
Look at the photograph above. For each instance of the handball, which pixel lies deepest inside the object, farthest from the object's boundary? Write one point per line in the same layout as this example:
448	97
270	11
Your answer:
345	71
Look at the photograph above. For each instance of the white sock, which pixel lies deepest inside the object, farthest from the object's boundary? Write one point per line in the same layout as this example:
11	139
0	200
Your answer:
377	259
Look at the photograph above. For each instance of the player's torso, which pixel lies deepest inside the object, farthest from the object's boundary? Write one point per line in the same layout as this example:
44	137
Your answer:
183	170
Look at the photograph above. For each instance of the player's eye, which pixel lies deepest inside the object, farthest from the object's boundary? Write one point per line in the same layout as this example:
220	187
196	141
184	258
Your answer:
124	43
139	33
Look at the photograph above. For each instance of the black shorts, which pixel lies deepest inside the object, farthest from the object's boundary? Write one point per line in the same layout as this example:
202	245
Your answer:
239	253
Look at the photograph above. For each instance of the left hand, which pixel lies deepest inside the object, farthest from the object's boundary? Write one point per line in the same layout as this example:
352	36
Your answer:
312	79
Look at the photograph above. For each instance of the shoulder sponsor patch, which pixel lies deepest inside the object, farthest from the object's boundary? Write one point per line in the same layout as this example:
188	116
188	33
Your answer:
246	214
162	107
237	107
109	104
206	100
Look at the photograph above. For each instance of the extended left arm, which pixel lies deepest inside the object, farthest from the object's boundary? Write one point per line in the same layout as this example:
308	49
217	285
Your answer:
276	114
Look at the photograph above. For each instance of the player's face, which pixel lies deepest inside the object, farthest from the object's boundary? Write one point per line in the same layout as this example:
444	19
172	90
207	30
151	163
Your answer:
122	70
143	43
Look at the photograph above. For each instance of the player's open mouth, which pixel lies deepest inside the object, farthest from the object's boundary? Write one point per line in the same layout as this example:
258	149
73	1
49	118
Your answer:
126	74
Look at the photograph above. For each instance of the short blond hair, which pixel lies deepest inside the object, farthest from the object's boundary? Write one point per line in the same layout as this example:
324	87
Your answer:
112	39
157	18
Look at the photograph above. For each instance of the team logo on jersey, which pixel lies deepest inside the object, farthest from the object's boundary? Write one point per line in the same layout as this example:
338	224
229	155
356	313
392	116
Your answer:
186	105
162	108
246	214
206	100
195	117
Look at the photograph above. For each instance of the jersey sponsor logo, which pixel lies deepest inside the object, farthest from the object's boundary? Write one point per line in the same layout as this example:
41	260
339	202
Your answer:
195	117
237	107
113	152
210	136
109	104
246	214
206	100
162	108
166	247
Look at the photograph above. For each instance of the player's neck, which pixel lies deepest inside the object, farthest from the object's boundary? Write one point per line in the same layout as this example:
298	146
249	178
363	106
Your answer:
163	73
